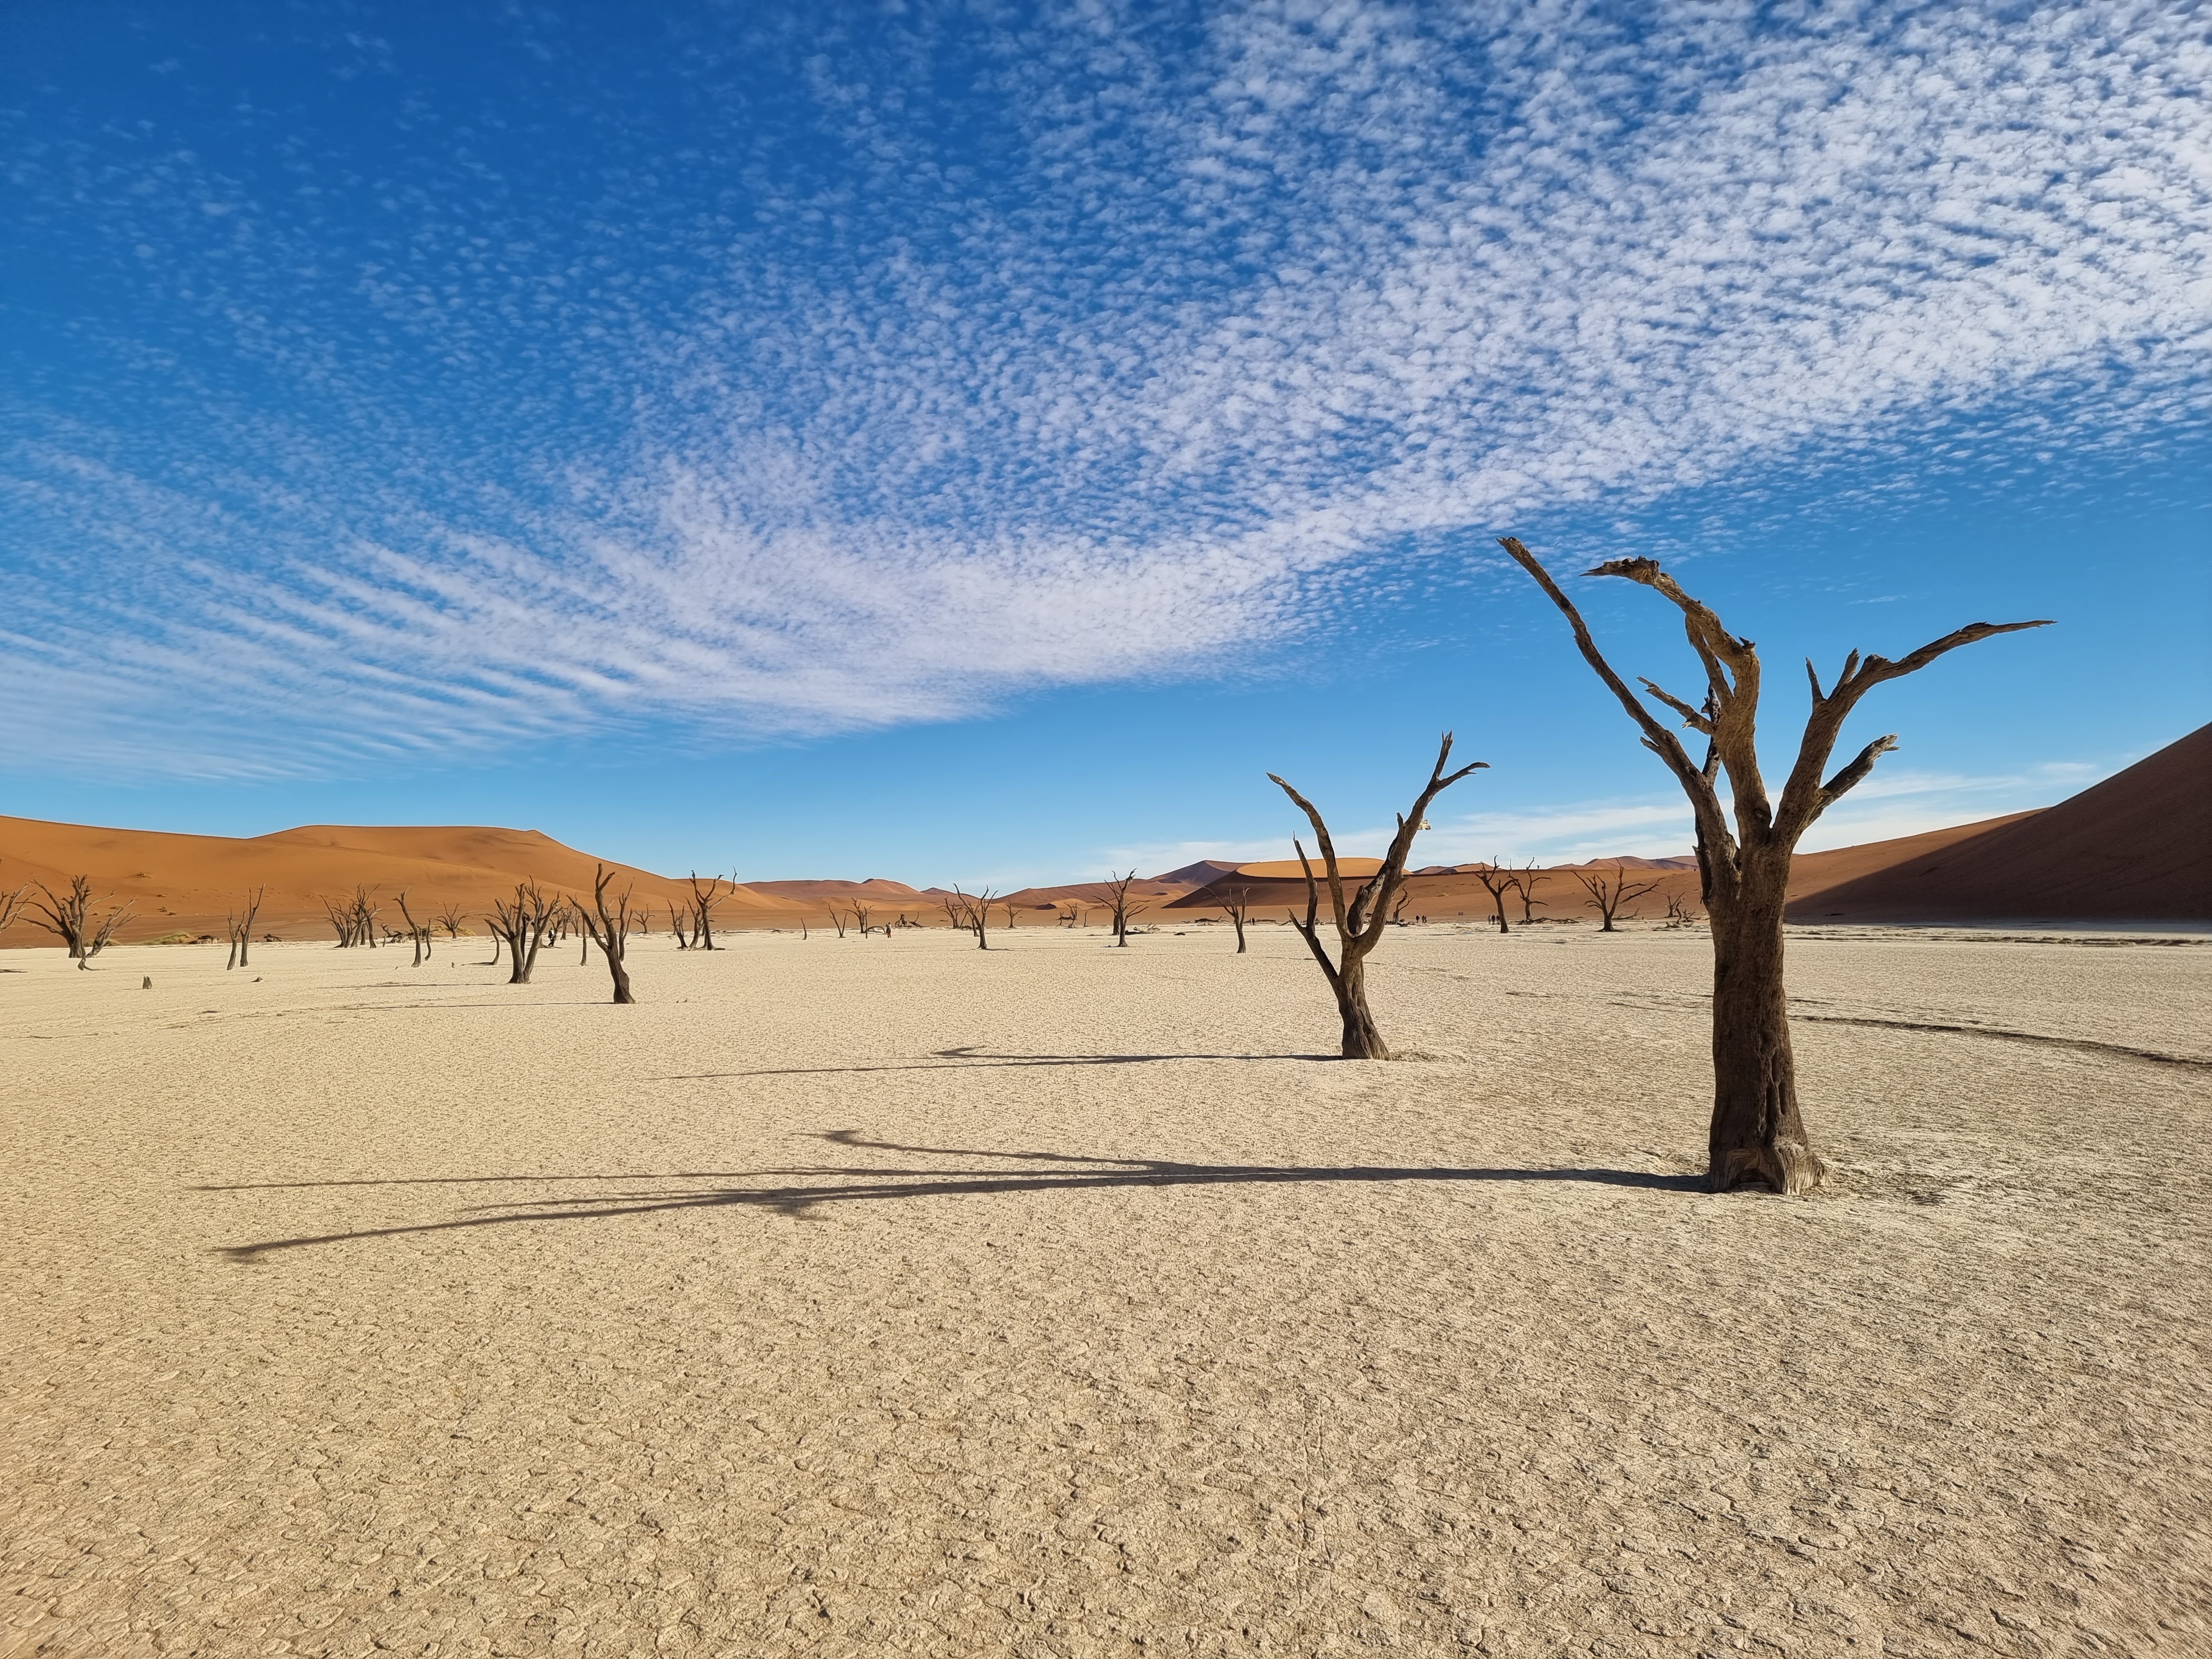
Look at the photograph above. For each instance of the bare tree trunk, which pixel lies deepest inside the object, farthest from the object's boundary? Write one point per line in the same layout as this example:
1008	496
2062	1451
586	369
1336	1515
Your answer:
1362	1038
1758	1134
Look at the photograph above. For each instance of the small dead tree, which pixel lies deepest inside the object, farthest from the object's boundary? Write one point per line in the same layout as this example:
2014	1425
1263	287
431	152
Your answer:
1359	924
11	906
676	925
1069	915
1497	881
241	929
970	912
1011	914
861	914
837	921
608	929
704	898
68	916
448	920
1609	889
1526	880
1117	903
418	932
1679	914
1758	1134
1236	902
524	923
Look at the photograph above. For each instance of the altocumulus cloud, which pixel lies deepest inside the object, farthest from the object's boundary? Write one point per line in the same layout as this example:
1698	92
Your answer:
1087	347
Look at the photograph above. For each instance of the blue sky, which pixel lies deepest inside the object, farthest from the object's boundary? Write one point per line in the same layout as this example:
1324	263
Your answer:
980	442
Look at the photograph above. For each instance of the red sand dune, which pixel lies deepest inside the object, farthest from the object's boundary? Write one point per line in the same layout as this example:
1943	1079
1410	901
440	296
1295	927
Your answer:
2136	848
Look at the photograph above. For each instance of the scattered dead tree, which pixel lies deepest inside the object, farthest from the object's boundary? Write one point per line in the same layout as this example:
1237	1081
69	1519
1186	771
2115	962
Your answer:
1011	914
676	925
354	919
1758	1132
1069	915
449	919
11	906
703	901
837	921
524	923
861	914
1679	915
1236	902
68	916
1609	889
608	929
1496	880
1117	904
418	932
969	912
1359	924
240	924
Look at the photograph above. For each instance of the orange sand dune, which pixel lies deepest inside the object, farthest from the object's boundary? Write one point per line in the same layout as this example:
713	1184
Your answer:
188	883
2136	848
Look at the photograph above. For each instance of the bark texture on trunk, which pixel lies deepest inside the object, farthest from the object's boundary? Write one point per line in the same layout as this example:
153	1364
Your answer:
1362	1039
1758	1136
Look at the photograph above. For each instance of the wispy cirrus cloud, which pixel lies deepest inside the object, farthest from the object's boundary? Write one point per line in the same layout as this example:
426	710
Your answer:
919	364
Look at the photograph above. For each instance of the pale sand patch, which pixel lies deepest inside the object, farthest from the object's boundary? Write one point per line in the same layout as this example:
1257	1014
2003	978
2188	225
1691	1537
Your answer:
1075	1344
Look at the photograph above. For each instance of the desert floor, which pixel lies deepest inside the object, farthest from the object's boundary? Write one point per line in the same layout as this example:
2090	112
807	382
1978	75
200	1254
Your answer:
895	1297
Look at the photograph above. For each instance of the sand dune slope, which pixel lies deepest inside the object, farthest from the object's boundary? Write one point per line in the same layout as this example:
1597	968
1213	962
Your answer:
2137	847
849	1299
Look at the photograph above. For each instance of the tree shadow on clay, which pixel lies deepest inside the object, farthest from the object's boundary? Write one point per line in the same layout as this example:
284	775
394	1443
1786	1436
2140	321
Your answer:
799	1192
955	1059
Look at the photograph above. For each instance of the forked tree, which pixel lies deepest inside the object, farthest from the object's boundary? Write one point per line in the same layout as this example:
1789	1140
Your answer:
524	923
1758	1136
1011	914
1609	889
1526	880
1359	924
837	921
1235	903
449	920
704	898
11	906
861	914
241	929
1497	882
1118	904
971	913
419	932
608	929
68	916
676	925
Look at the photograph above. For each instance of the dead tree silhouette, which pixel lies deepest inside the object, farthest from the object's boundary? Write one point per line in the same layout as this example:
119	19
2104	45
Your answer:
418	932
609	930
1235	903
1117	901
1526	880
1758	1136
524	923
241	929
68	917
1497	881
1609	889
703	901
1359	925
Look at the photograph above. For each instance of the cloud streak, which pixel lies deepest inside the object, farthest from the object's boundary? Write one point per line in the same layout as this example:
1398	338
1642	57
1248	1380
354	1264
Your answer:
1086	350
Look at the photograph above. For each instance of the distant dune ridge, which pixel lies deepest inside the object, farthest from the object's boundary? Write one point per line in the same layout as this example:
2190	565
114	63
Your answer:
2136	847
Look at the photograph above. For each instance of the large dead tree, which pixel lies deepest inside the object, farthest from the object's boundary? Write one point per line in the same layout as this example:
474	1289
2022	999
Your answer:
609	929
68	916
1235	903
1118	904
1497	882
1758	1136
704	898
1609	889
1359	924
524	923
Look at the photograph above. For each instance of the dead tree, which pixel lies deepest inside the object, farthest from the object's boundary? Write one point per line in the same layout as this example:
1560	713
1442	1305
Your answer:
608	929
1497	882
1069	915
449	919
1526	880
68	916
837	921
1608	896
1236	902
969	912
861	914
1011	912
418	932
11	906
524	924
703	901
676	926
241	929
1117	903
1679	915
1359	924
1758	1132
